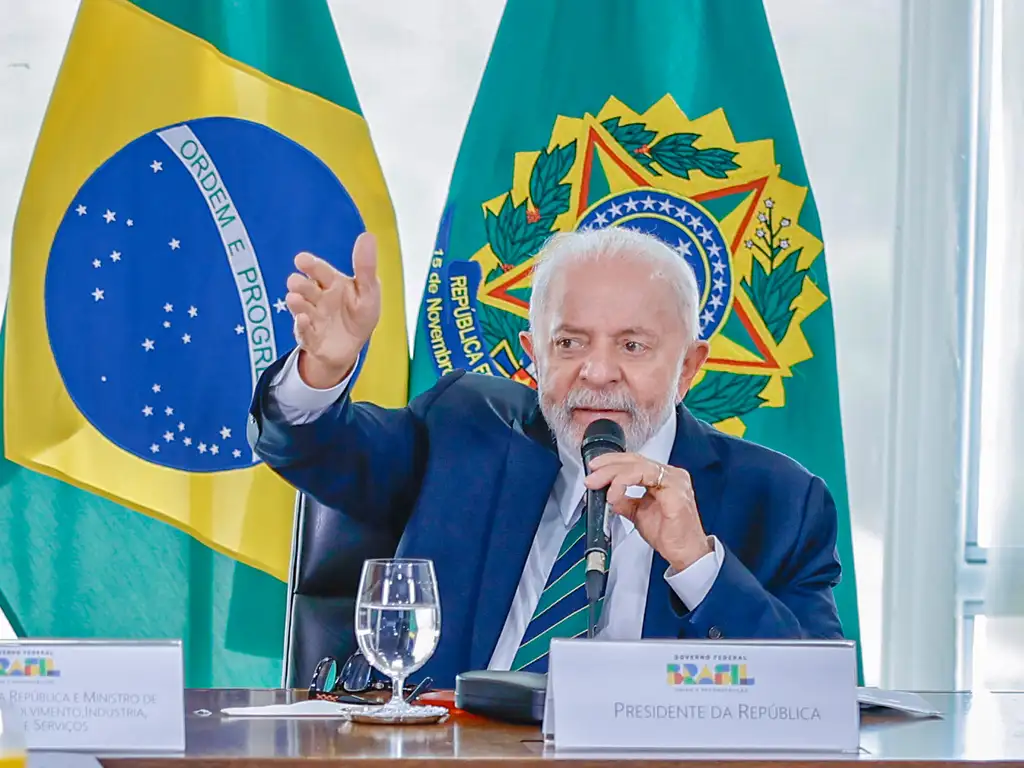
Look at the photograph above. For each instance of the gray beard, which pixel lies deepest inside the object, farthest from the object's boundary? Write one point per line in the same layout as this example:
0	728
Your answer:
641	426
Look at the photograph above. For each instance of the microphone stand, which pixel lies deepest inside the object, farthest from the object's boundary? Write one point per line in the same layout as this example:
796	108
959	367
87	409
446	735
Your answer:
596	573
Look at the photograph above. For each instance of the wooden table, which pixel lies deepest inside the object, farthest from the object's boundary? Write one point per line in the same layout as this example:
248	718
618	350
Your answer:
977	729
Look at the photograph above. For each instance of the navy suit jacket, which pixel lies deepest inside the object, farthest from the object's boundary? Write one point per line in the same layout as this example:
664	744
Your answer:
465	470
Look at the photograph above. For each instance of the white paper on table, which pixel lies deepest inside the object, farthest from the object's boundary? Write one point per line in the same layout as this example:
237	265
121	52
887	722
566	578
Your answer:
900	701
311	708
43	759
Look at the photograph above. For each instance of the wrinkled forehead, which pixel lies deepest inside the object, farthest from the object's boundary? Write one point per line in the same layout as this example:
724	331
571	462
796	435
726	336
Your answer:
612	295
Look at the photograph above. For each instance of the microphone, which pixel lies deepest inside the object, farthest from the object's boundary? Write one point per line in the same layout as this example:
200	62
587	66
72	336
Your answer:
602	436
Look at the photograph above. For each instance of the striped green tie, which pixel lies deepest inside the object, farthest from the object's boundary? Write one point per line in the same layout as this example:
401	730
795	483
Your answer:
562	608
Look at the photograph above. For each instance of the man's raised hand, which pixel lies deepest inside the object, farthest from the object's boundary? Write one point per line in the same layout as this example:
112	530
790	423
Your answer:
334	314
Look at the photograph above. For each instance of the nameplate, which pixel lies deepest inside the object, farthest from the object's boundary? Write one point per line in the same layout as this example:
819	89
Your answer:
707	694
96	695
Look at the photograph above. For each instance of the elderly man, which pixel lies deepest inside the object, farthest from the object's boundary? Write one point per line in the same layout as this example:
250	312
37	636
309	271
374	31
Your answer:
712	537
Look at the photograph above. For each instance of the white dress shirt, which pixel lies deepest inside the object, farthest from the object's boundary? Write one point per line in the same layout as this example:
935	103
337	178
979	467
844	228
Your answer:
629	571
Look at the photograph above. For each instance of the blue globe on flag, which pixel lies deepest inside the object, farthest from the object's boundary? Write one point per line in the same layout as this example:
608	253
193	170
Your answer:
166	280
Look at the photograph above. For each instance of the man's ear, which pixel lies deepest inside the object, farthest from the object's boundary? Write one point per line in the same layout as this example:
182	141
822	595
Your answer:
696	356
526	339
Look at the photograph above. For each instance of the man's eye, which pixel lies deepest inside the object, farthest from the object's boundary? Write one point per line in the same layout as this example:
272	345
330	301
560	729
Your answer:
634	347
565	343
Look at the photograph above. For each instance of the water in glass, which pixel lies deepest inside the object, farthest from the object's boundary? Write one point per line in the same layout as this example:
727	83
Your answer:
397	640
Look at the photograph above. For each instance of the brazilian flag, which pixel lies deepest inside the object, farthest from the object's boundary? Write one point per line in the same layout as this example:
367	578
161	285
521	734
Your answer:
190	149
671	117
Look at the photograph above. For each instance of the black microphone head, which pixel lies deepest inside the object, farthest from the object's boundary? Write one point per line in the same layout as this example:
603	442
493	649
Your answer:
601	436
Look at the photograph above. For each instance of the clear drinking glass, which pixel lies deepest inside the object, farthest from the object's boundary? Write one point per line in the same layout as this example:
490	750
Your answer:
12	737
398	622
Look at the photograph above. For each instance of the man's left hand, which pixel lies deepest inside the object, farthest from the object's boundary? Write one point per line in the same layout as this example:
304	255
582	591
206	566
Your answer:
666	515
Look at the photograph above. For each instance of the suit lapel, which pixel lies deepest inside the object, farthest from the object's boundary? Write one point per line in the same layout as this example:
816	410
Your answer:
694	452
531	466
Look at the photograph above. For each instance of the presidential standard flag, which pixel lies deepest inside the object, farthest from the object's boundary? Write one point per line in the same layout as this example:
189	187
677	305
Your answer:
190	149
671	117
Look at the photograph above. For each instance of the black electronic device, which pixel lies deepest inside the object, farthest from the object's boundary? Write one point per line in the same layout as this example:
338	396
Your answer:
512	697
601	436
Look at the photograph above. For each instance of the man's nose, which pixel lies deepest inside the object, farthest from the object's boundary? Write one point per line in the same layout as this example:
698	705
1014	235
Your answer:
600	369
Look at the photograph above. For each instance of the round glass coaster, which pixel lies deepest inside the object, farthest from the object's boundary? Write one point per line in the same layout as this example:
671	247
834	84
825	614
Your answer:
414	715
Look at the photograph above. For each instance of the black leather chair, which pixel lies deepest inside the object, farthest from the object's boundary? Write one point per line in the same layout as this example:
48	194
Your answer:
328	550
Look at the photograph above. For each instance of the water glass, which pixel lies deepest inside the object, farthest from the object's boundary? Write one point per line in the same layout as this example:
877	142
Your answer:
398	622
12	737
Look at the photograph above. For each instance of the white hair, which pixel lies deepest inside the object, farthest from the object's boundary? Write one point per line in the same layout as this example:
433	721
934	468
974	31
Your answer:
666	264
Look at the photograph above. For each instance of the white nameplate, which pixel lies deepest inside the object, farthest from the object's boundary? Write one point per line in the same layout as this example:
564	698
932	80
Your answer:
96	695
704	694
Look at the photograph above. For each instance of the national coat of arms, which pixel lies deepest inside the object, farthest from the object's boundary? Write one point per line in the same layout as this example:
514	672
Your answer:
723	204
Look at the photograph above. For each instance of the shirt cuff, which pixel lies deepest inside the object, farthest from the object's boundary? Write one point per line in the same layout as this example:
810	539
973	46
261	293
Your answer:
693	584
295	400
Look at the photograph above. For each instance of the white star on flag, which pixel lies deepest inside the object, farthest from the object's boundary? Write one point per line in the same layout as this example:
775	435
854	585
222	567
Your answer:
666	206
631	204
147	411
109	215
97	294
214	450
154	448
187	441
186	338
80	210
168	307
715	249
175	244
115	256
181	426
225	432
97	263
157	166
148	345
156	388
239	330
169	411
167	323
192	311
129	223
280	306
236	453
202	447
168	436
600	218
